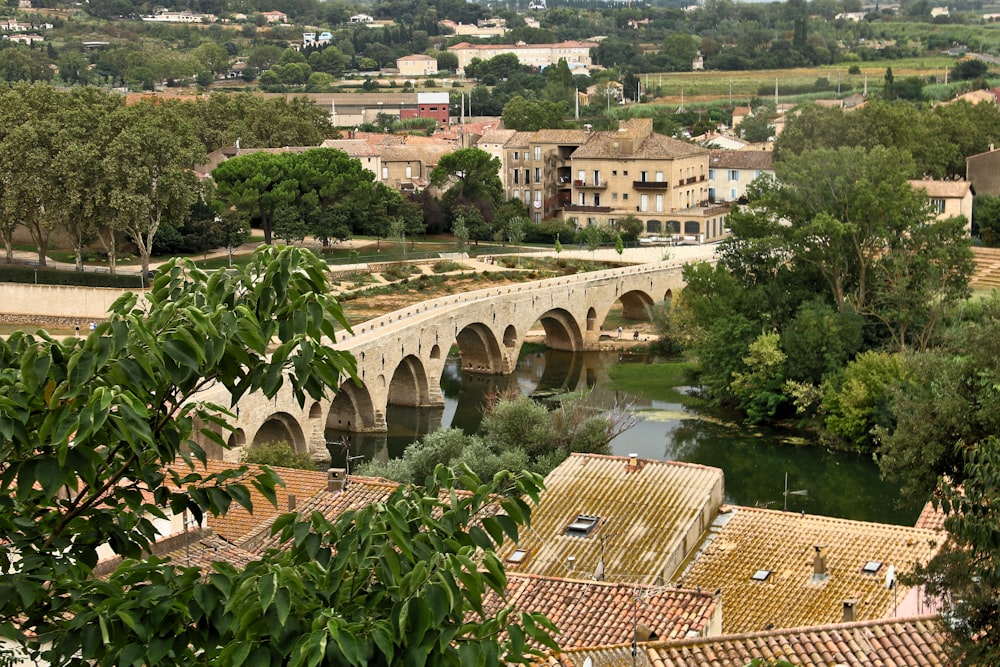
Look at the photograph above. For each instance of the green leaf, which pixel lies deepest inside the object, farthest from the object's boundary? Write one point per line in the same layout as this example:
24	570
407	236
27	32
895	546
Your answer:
267	588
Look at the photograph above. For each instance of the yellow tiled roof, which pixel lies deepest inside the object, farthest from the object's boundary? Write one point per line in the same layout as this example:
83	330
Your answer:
783	543
912	642
943	189
592	613
650	516
654	147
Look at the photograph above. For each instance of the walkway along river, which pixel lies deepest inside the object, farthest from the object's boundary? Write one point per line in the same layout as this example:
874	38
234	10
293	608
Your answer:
755	461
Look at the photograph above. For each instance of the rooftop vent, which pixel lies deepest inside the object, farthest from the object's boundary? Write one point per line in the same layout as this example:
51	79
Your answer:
336	479
819	563
583	525
761	575
291	502
849	615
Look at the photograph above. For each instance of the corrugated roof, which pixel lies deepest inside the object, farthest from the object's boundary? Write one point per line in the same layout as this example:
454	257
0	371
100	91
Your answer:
911	642
649	517
722	159
593	613
783	544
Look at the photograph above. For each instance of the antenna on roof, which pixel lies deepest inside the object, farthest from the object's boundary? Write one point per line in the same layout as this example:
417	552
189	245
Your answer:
599	572
800	492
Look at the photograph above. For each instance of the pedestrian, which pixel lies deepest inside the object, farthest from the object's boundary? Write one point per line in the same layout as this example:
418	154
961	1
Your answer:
635	335
619	331
77	330
93	326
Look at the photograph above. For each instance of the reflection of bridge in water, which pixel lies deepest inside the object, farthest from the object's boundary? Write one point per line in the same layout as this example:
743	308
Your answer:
401	356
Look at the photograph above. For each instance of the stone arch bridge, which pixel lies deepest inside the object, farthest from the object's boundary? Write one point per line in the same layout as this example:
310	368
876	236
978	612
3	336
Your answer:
401	355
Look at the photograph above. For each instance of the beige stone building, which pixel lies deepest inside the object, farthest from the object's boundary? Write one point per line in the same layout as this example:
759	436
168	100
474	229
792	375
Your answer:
636	172
576	54
417	65
536	169
731	172
948	199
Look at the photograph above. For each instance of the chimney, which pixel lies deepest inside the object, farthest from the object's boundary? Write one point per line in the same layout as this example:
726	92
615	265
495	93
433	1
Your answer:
849	610
291	502
633	463
819	564
336	480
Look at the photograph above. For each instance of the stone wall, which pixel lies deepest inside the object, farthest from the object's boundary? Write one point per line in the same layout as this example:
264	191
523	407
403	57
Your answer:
59	304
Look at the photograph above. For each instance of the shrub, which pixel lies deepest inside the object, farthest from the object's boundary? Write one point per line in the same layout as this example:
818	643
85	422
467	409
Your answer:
279	453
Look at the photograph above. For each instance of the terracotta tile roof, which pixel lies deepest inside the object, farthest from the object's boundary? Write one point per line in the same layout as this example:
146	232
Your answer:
943	189
561	136
353	147
594	613
650	515
783	544
654	147
210	549
237	523
909	642
360	492
721	159
520	140
496	136
931	518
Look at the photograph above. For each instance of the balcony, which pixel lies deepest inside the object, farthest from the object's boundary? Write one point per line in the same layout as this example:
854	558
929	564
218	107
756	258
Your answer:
596	185
579	208
650	185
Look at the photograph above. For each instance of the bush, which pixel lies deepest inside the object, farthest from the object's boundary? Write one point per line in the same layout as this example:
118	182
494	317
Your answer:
279	453
20	273
445	265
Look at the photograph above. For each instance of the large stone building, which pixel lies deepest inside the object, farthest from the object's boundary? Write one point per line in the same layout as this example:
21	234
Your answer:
576	54
598	178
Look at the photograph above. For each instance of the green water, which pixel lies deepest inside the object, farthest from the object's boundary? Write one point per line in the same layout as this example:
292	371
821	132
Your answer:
755	461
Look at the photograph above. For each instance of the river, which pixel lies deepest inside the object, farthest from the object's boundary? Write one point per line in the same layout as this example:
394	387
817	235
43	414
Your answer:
756	462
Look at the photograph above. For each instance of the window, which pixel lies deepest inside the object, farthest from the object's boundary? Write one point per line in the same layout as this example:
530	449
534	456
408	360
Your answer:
538	195
581	176
409	171
625	196
659	177
659	203
517	155
517	195
614	196
584	524
538	152
538	217
538	174
385	173
732	194
527	176
518	556
517	177
597	177
597	199
614	172
642	176
761	575
711	174
583	199
643	203
734	174
624	173
938	205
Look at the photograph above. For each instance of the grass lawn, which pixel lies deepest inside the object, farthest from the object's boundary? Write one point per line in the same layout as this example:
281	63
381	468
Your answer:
656	381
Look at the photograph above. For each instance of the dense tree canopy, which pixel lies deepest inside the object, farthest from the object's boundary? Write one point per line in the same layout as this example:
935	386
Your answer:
90	429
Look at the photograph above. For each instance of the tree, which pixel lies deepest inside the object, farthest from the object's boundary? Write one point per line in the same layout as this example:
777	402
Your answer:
149	167
471	176
90	430
279	454
986	218
759	387
968	69
256	184
234	229
858	400
531	115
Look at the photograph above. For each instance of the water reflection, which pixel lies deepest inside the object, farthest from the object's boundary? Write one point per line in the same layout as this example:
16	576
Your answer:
755	461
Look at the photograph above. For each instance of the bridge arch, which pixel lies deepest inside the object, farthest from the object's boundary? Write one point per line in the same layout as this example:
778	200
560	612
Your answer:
561	330
352	409
635	304
480	350
281	426
408	385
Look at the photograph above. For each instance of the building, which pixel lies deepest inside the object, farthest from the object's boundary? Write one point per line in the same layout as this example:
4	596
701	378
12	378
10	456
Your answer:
314	39
948	198
417	65
636	172
576	54
361	150
982	171
430	105
901	642
494	142
484	29
731	172
596	613
780	569
166	16
363	19
622	518
536	169
275	17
